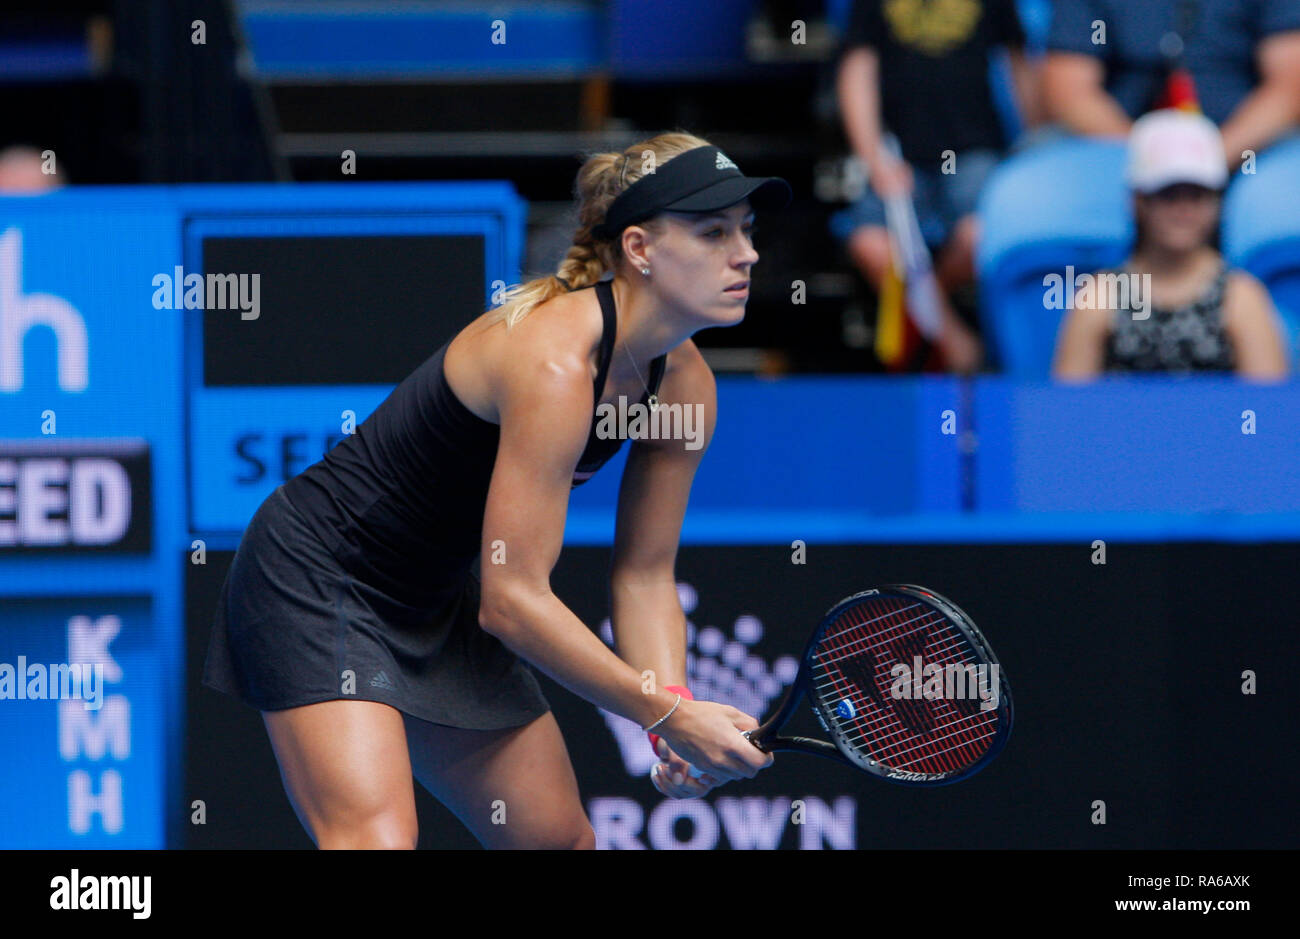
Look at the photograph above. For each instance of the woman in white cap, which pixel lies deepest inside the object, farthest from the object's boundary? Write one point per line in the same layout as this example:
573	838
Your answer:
1186	311
353	617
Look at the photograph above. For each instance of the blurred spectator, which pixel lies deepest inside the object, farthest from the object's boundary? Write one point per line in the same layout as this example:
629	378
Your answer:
1186	310
1109	61
917	74
24	170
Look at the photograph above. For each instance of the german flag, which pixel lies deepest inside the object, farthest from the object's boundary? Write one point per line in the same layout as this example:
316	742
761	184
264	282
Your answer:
1180	91
897	338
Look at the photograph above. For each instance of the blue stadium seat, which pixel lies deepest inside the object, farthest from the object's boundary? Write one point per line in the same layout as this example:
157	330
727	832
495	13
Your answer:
1261	231
1063	203
450	40
432	40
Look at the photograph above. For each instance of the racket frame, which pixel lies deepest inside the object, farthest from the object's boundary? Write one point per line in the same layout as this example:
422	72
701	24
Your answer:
766	736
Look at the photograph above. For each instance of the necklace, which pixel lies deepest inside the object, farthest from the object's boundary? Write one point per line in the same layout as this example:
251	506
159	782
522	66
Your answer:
652	400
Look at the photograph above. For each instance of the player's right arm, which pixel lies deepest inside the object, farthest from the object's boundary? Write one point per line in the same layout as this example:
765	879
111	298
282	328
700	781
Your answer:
544	399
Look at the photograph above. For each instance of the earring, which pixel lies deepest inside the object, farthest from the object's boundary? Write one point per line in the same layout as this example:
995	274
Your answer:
645	271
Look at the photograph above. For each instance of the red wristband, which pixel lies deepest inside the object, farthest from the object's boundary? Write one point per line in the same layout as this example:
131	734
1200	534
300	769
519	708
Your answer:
675	689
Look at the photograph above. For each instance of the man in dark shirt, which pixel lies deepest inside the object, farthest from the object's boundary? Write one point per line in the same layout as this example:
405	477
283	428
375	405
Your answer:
1108	62
919	70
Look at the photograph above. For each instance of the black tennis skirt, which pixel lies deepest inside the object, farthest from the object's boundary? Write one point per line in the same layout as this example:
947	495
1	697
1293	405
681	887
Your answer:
293	628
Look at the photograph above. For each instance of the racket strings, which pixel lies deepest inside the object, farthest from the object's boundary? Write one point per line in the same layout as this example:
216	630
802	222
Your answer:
874	727
873	730
917	716
942	738
924	735
848	649
881	674
879	739
950	642
905	647
855	647
890	747
930	741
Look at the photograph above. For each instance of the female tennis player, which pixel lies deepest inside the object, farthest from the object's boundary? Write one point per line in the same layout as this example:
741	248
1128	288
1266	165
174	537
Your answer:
381	601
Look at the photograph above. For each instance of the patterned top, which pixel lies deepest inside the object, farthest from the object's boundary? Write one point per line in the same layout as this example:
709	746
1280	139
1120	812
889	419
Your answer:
1178	341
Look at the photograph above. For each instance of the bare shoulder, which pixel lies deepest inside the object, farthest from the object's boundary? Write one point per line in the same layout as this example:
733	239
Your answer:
548	350
560	336
1244	292
1247	305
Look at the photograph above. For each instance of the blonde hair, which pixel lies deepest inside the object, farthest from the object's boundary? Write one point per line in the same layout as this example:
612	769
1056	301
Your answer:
602	178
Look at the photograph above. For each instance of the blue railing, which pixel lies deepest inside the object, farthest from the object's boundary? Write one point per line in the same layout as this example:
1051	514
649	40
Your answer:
915	460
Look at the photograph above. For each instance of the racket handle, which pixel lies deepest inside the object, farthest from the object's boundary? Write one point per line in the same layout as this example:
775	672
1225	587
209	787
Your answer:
697	773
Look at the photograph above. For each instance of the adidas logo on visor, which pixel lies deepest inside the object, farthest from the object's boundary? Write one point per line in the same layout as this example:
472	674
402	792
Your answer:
723	162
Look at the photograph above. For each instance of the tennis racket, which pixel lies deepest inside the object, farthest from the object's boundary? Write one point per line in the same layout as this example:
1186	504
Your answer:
904	685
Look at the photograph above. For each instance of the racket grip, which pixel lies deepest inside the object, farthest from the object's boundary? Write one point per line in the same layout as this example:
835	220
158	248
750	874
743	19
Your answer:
697	773
675	689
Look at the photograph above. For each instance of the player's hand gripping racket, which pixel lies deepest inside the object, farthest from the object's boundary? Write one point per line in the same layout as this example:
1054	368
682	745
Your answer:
904	685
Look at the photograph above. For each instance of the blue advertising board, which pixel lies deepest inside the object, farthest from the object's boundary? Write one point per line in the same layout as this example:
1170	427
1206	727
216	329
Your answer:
118	464
93	520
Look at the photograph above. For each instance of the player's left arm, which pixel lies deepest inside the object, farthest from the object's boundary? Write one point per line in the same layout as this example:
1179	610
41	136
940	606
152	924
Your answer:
645	613
647	619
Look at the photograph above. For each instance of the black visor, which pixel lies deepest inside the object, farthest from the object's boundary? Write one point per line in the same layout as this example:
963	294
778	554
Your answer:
700	180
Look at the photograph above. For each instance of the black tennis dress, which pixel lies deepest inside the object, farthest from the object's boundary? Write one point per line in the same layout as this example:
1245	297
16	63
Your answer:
358	578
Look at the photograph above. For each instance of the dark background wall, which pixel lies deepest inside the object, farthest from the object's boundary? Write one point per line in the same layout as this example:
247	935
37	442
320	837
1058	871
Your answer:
1126	676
